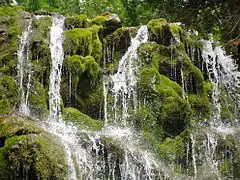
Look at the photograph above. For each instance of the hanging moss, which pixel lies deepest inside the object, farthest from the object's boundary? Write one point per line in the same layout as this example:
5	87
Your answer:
96	44
99	20
81	120
41	28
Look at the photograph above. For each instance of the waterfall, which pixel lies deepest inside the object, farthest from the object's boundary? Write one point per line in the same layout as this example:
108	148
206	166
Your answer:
57	55
56	124
24	68
222	72
123	82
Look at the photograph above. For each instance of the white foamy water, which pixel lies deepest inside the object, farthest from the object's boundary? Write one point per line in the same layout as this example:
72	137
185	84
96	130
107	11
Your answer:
122	84
57	55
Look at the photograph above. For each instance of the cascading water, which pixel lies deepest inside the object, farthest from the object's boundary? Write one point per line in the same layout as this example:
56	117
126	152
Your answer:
123	83
89	153
24	68
223	73
57	54
56	124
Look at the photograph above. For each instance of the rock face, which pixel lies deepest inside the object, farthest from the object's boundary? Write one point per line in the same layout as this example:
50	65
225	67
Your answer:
177	95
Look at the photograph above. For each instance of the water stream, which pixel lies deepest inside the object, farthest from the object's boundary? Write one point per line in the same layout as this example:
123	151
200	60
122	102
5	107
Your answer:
24	68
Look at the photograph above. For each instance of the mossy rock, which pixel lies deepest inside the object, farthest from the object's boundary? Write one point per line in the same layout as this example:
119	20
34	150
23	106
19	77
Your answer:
77	65
159	31
109	23
115	46
78	41
27	151
165	98
84	42
8	91
12	25
83	121
77	21
38	100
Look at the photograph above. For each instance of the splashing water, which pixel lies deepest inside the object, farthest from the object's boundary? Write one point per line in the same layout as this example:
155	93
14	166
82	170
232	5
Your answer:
123	82
24	69
222	72
57	54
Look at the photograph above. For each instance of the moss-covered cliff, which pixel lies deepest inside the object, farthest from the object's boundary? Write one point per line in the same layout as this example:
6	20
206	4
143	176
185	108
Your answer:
173	89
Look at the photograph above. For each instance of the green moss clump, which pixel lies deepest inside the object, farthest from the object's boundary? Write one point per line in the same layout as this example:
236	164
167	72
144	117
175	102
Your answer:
27	148
77	21
78	41
77	65
164	99
80	119
99	20
84	41
159	31
41	28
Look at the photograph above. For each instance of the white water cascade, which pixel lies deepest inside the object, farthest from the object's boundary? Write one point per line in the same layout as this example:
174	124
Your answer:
223	73
57	55
24	68
123	83
56	124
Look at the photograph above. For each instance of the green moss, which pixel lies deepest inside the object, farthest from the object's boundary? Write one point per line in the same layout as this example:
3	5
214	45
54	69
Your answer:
8	90
5	106
159	31
199	104
12	25
172	149
78	41
77	21
80	119
27	147
96	44
99	20
84	41
77	65
38	100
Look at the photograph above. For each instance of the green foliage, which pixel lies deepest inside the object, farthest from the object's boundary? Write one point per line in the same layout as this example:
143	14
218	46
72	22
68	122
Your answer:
81	120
